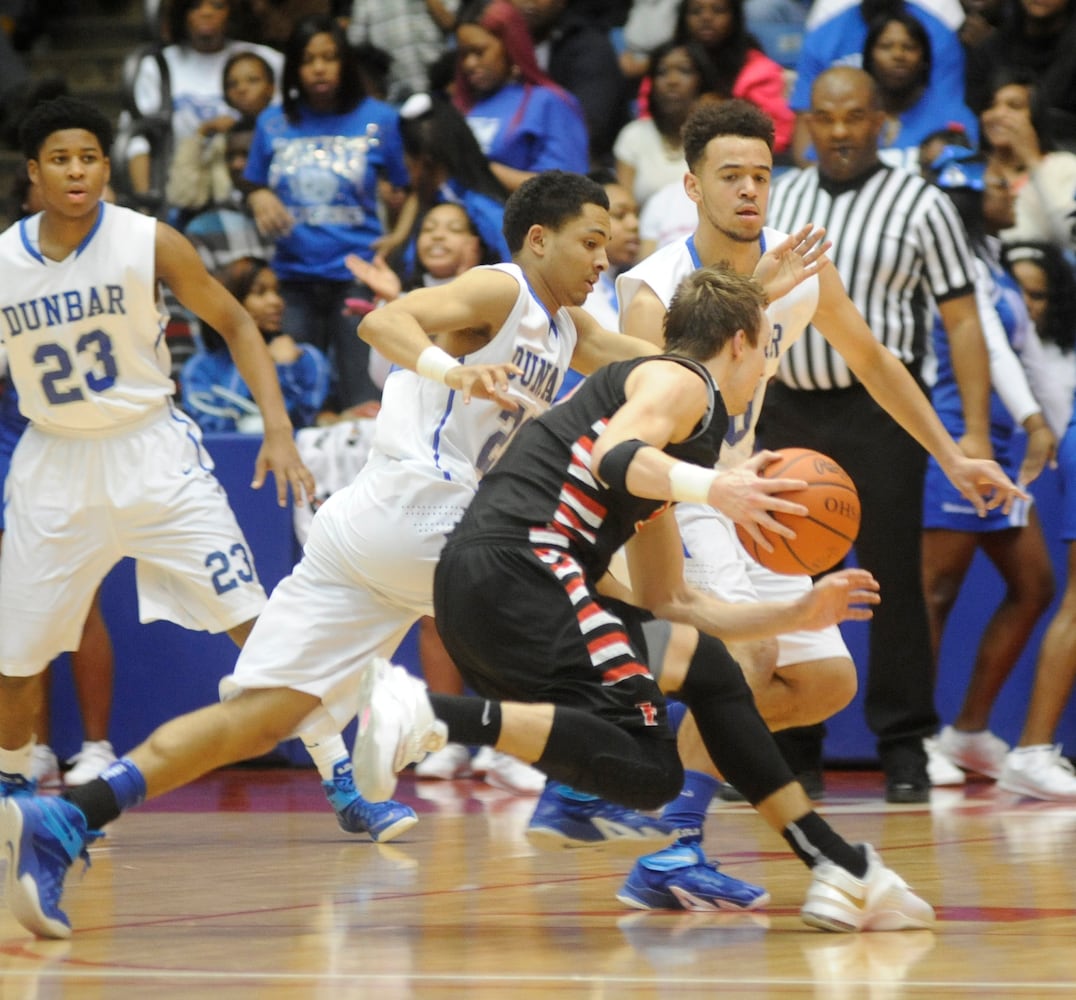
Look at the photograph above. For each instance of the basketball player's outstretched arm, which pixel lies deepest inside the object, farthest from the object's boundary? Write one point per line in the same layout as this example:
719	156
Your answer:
597	346
887	380
180	267
656	566
665	402
429	328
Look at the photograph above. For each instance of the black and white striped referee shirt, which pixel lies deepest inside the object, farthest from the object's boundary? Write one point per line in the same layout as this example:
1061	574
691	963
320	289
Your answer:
898	245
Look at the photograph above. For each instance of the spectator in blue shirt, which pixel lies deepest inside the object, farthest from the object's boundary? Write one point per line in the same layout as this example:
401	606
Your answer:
315	167
522	120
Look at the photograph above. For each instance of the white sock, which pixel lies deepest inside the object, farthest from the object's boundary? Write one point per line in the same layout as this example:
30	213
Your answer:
326	752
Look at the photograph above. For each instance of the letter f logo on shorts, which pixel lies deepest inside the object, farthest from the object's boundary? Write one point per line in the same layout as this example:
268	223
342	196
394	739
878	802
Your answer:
650	713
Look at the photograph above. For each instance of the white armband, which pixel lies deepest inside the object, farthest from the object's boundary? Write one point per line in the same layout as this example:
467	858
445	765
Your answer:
433	363
691	483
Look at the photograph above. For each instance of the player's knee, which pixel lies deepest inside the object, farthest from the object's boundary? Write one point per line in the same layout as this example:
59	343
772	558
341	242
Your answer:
819	689
641	783
842	692
16	687
940	591
835	686
713	675
1041	588
253	721
641	770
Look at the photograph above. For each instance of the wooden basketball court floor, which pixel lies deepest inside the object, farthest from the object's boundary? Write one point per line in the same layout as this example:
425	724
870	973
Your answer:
243	887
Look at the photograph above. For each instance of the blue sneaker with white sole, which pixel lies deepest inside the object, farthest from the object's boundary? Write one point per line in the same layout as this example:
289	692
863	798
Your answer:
384	821
681	878
41	838
563	818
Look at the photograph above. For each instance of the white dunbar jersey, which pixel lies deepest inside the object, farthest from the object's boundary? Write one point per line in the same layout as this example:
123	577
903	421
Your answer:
367	569
662	273
425	425
85	335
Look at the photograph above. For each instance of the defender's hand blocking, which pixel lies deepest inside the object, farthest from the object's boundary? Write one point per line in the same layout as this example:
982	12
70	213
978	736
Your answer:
847	595
279	455
797	258
484	382
749	499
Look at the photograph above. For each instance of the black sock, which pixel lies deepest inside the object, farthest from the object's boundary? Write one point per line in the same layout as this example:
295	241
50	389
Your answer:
474	721
814	840
96	800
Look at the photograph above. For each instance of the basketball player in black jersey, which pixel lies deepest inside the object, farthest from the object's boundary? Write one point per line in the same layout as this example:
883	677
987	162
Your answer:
559	661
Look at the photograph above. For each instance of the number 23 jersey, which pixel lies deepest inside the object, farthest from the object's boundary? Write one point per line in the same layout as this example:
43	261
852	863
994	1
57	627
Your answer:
85	335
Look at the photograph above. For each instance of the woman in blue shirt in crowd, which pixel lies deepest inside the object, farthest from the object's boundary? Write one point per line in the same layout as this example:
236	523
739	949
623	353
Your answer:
522	120
315	166
898	54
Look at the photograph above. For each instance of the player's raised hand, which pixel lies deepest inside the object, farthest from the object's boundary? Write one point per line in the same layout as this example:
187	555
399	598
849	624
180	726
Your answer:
279	456
847	595
749	499
796	258
484	382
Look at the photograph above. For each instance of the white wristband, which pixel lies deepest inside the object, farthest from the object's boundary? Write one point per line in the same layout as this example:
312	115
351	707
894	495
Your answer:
434	363
691	483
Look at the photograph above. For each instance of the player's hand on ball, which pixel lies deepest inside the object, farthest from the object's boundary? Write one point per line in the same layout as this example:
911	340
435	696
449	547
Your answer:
484	382
831	522
751	500
847	595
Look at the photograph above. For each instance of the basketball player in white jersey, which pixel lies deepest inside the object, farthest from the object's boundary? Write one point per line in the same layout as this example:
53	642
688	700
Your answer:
802	677
83	329
81	323
107	467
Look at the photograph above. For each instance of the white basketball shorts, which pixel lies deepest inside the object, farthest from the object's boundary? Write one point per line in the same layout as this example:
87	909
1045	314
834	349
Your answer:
76	506
717	563
365	578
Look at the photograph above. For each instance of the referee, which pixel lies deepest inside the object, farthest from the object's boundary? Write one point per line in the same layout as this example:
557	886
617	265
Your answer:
901	251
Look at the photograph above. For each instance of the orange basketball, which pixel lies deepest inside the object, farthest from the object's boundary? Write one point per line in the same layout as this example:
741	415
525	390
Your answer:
826	533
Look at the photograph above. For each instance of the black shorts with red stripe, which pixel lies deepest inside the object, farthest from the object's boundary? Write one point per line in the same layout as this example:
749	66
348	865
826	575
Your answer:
523	623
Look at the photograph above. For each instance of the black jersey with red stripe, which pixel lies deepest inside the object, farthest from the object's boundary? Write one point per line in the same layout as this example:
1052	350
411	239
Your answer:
542	492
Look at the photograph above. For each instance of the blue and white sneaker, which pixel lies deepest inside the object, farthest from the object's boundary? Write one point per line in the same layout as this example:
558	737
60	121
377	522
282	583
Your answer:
680	878
41	838
565	820
384	821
